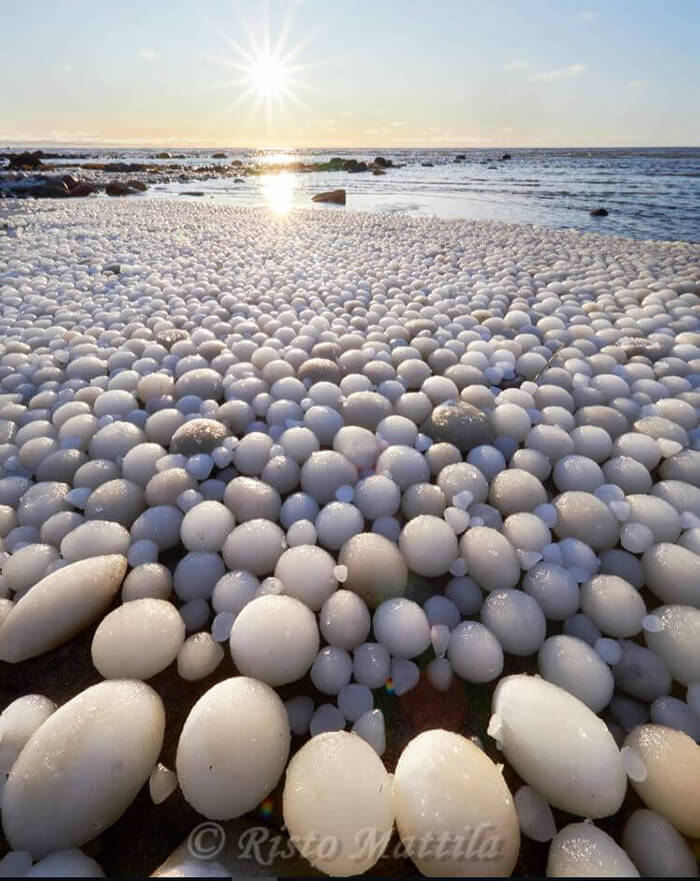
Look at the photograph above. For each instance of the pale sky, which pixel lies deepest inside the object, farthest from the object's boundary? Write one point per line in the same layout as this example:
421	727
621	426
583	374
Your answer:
392	73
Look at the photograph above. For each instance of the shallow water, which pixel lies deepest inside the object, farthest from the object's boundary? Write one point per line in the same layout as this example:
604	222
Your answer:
651	193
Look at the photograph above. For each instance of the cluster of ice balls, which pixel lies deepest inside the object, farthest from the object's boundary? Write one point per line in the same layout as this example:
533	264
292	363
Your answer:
353	446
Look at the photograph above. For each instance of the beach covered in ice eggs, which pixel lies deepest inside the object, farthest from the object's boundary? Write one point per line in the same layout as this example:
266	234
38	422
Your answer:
359	457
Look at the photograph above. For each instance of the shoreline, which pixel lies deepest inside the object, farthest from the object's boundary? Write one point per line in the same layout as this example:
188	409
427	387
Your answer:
224	201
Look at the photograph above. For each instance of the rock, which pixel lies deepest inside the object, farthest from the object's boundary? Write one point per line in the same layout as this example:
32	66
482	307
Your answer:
427	164
192	193
382	162
599	212
337	197
378	171
460	157
82	189
354	166
238	180
59	606
117	188
112	269
458	423
218	155
505	157
163	156
137	185
83	767
26	160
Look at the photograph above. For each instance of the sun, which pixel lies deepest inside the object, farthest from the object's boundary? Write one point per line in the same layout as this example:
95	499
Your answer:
268	76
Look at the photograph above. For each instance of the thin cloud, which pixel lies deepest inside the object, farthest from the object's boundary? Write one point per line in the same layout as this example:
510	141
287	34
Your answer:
635	84
548	76
147	55
588	16
517	65
398	123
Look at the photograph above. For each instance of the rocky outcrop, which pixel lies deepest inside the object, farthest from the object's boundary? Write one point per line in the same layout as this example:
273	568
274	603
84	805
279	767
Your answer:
599	212
337	197
26	160
218	155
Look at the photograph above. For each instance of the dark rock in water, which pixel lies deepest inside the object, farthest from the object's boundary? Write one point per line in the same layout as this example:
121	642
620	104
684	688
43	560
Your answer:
70	181
163	156
335	196
126	167
427	164
458	423
382	162
137	185
51	191
112	269
238	180
198	436
82	189
599	212
505	157
192	193
117	188
218	155
26	159
320	370
353	166
378	171
460	157
336	162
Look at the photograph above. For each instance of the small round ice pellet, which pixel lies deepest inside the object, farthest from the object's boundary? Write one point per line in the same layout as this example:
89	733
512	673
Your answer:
675	639
441	610
298	506
254	546
672	573
307	574
324	472
344	620
331	670
93	539
274	639
614	605
429	545
636	537
147	580
465	593
656	847
336	523
526	531
199	656
554	588
491	559
401	626
300	710
303	532
583	516
583	850
206	526
354	700
516	620
573	665
376	569
577	473
475	653
514	490
377	496
371	664
249	499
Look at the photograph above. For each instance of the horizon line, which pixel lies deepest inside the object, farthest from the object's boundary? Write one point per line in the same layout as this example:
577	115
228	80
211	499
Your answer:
110	145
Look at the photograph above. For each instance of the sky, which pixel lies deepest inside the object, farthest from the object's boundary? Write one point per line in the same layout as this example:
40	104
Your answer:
330	73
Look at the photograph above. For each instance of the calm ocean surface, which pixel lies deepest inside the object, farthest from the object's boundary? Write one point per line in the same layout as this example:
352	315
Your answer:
649	193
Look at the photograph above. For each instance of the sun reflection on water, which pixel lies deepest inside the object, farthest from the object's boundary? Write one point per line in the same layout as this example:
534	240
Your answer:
278	191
